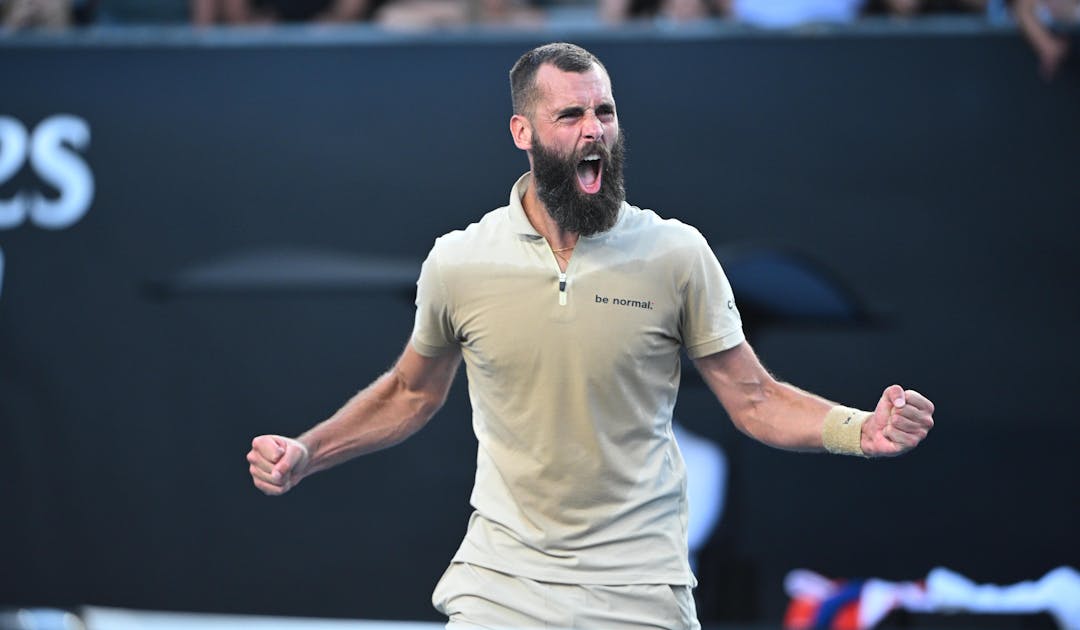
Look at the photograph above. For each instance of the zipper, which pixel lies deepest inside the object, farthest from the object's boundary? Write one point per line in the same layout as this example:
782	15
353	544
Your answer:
562	288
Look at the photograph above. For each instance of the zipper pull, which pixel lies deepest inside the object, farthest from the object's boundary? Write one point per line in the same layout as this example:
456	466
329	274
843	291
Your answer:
562	288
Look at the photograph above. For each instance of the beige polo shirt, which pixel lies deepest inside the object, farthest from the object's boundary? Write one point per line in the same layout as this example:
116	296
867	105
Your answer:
572	379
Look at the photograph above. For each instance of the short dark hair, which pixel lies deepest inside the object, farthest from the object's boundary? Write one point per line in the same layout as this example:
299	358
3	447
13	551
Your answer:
565	57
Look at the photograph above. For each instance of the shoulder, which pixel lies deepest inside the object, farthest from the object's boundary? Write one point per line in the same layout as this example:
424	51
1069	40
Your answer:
491	228
648	224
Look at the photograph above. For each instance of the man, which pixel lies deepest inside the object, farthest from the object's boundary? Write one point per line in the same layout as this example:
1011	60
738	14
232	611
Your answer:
570	307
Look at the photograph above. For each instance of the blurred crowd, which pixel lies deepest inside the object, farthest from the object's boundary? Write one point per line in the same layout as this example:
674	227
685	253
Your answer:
1044	23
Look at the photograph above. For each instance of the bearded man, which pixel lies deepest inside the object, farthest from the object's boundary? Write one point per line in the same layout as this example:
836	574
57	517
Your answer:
570	308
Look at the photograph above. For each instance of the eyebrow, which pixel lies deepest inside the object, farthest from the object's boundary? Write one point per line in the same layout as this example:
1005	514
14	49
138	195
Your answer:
577	110
570	111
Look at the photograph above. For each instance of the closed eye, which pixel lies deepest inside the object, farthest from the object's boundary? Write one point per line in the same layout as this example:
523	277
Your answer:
570	113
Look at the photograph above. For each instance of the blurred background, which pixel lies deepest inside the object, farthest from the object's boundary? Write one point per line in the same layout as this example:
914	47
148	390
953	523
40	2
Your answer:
212	215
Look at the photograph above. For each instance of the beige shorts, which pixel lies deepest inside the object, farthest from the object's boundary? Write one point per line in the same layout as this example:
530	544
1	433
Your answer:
475	597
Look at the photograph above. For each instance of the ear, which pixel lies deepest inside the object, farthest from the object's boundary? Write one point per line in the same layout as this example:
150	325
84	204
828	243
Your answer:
521	131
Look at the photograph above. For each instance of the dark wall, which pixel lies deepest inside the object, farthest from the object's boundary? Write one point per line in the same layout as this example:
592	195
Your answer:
143	346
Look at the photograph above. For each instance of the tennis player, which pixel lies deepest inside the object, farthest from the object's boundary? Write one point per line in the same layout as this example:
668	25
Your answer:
570	308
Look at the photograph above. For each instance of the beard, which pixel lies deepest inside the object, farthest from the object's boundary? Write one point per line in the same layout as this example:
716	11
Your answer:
555	177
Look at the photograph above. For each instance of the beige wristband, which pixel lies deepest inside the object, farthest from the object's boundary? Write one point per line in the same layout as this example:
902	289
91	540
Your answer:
841	432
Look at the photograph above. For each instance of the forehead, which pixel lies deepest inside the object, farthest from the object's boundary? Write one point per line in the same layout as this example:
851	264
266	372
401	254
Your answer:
558	89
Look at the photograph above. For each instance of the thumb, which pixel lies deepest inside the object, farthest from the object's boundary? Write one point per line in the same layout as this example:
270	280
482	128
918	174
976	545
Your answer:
891	398
281	443
294	454
269	447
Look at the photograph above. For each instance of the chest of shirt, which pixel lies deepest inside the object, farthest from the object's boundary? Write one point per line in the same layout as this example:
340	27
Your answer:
513	316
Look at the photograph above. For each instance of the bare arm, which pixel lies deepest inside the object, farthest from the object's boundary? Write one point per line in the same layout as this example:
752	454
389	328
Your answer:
784	416
1049	48
763	408
389	410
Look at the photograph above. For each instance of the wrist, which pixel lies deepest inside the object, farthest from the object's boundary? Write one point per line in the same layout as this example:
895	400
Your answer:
304	463
842	431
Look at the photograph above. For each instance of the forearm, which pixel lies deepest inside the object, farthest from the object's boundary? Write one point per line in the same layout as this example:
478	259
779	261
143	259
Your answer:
378	417
784	416
772	412
780	415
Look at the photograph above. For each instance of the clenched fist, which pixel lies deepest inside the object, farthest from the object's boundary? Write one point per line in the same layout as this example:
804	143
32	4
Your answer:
277	463
899	423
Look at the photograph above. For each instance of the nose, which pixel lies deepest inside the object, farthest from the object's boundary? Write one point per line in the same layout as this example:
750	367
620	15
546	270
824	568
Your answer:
593	129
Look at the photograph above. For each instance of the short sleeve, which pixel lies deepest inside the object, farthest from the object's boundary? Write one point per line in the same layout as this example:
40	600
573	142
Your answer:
710	320
433	331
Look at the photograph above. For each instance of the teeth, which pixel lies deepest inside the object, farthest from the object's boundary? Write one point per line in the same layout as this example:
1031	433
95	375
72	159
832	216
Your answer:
591	158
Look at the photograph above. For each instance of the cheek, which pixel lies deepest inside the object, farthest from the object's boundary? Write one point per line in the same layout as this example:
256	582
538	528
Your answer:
565	143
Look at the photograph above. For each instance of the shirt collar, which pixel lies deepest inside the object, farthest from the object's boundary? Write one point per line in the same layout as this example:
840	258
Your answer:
518	220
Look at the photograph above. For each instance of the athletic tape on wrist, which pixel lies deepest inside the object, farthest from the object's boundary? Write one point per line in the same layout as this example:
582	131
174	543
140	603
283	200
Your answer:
841	432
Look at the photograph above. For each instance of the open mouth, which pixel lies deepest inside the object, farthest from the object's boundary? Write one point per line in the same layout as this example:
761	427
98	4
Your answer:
589	173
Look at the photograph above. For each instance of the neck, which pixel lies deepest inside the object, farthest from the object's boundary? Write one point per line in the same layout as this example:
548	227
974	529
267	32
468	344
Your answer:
541	220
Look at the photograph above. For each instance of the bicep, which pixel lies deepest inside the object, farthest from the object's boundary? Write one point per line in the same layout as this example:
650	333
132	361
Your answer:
729	371
429	376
